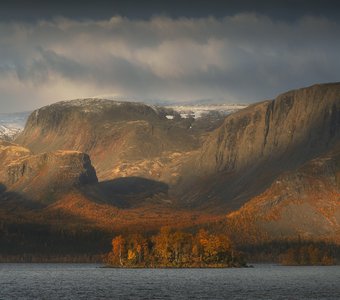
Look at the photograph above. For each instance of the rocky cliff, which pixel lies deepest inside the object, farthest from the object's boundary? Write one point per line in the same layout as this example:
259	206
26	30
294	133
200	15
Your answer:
41	177
294	127
253	146
111	132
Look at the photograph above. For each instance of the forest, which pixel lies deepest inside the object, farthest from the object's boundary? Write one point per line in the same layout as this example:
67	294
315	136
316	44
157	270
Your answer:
170	248
293	252
308	255
211	246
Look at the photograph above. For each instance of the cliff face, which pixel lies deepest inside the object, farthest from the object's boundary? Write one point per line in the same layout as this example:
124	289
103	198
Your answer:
40	177
243	157
112	133
294	127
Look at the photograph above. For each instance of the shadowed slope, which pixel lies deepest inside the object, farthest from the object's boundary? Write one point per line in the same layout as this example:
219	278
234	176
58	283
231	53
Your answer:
43	176
253	146
304	202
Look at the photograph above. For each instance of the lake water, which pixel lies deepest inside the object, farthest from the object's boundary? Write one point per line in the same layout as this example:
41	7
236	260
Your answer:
85	281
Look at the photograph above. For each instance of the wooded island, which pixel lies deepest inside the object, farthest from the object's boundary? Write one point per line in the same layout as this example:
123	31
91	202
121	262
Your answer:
171	248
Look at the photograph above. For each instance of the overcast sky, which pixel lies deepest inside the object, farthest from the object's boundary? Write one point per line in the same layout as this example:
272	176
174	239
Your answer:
227	51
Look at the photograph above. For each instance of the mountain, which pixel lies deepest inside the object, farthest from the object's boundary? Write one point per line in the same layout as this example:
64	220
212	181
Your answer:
250	149
302	203
40	177
306	119
243	157
11	124
269	171
276	164
112	133
8	133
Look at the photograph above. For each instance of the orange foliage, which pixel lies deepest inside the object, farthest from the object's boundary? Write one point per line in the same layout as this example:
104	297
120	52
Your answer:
176	249
108	217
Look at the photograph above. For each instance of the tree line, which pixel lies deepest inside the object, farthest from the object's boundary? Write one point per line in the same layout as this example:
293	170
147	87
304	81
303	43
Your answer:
33	242
170	248
308	255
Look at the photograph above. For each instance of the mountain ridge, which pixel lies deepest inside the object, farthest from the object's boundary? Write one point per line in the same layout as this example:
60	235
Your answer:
259	142
237	173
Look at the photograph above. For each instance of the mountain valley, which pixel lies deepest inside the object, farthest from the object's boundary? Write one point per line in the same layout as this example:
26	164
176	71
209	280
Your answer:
269	171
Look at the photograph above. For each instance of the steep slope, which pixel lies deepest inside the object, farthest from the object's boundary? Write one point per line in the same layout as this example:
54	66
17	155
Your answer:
307	119
282	156
302	203
112	133
43	176
253	146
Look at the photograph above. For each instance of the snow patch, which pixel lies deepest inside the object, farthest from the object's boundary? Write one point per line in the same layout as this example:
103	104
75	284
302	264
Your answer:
11	124
8	133
197	111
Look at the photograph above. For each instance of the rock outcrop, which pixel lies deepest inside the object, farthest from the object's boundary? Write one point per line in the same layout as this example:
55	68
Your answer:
41	177
10	152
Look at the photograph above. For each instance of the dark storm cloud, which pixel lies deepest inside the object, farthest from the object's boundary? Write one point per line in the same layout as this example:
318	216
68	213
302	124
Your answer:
239	58
104	9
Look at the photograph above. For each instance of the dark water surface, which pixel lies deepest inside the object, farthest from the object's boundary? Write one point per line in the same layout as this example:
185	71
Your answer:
86	281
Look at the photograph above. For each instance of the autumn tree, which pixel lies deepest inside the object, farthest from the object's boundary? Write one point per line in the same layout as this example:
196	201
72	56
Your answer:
173	248
212	247
118	248
202	241
137	249
162	245
181	247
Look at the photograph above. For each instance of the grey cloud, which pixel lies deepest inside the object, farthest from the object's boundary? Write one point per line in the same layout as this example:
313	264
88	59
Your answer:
241	58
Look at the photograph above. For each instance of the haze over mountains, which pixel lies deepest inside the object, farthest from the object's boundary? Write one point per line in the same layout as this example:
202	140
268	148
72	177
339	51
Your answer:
272	166
11	124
